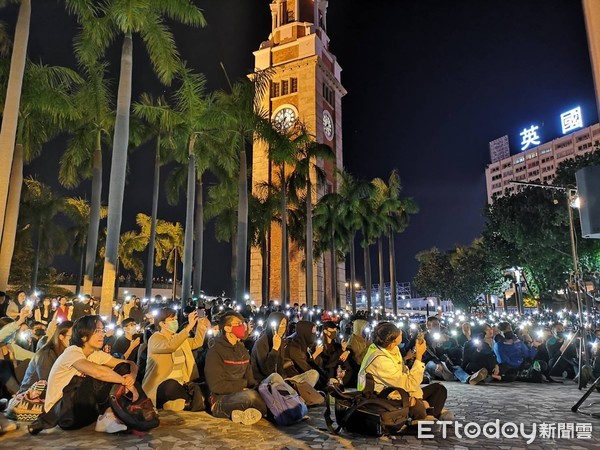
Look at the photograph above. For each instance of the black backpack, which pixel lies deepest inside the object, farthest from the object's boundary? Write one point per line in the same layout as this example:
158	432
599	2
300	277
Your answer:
365	412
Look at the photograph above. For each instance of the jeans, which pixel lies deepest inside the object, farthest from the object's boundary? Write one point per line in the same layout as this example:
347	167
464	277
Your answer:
248	398
309	377
457	372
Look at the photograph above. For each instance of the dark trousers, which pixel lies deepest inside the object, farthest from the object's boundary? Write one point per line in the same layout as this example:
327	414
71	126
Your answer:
170	390
248	398
435	394
8	379
84	399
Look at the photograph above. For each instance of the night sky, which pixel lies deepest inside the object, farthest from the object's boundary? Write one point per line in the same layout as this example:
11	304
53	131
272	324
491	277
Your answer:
429	83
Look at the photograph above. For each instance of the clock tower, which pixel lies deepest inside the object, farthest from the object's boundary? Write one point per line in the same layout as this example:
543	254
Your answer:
305	85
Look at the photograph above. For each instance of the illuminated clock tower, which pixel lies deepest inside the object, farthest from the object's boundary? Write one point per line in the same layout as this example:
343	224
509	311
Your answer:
305	85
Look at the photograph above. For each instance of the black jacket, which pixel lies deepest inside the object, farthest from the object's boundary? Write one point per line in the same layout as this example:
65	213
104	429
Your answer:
228	368
265	360
296	351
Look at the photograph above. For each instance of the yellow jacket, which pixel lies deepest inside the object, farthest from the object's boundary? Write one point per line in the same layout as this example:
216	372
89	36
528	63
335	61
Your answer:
388	369
160	359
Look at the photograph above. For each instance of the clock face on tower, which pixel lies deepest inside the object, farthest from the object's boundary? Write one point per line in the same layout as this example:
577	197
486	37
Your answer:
328	125
284	118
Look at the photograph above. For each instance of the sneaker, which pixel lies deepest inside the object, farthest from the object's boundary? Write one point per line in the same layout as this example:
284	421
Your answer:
446	415
174	405
249	416
478	376
108	423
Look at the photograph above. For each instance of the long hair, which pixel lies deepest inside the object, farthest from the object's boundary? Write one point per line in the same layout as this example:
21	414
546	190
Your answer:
55	343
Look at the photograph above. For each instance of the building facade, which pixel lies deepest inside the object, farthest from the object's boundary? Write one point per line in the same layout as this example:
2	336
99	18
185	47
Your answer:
539	164
304	85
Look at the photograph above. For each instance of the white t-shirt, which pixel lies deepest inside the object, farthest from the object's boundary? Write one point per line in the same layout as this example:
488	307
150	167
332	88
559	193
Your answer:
62	372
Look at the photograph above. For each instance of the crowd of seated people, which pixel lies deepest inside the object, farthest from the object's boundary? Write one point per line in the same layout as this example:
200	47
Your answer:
213	357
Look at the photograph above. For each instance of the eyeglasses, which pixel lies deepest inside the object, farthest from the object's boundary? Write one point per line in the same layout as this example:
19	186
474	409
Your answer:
100	331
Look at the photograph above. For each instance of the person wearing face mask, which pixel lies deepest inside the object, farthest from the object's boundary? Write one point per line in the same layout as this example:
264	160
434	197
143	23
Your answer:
335	354
302	355
229	374
170	365
127	344
557	345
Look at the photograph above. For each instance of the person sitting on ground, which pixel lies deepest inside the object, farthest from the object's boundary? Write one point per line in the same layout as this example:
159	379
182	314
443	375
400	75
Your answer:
267	357
44	312
80	382
557	345
301	354
519	356
14	359
127	345
384	362
170	365
229	374
503	327
41	364
358	344
465	334
16	305
335	355
477	355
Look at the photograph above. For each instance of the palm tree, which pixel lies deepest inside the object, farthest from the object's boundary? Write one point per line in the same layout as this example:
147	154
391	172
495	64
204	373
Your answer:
241	114
46	107
353	193
78	210
40	207
101	24
370	232
10	115
83	156
309	154
393	212
264	207
163	121
168	237
331	233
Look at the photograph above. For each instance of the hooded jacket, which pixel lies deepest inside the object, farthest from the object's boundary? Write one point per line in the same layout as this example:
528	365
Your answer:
296	352
228	368
513	354
357	344
265	360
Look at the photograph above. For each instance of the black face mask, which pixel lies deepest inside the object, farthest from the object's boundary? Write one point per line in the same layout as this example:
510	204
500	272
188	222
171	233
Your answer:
39	333
563	335
332	334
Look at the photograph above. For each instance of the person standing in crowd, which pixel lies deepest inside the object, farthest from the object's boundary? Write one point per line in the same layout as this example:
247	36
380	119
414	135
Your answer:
170	365
229	374
136	312
63	311
80	381
82	307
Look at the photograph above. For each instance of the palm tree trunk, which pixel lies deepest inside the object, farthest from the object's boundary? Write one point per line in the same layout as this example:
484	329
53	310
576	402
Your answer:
309	245
394	294
10	114
367	258
36	258
188	241
381	279
117	177
198	238
352	275
265	273
334	292
9	231
175	274
94	226
151	242
81	270
234	266
284	253
242	227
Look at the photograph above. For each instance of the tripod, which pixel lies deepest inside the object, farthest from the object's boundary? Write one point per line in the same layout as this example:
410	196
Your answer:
576	406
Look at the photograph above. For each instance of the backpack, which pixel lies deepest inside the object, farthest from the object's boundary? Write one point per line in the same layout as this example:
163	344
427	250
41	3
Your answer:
28	405
365	412
283	402
139	415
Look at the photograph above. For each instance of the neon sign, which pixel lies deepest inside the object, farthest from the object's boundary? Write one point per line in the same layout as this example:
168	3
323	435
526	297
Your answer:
530	137
571	120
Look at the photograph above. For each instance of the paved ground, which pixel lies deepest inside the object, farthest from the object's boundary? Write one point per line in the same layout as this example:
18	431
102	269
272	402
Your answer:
519	403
